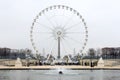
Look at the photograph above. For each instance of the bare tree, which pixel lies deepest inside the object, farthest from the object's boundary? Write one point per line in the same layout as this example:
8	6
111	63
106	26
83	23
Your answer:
99	52
91	52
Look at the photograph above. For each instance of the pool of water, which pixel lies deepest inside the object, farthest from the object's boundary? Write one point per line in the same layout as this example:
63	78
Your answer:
54	75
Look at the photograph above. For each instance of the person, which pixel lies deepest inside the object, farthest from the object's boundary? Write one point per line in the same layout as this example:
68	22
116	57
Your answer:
92	64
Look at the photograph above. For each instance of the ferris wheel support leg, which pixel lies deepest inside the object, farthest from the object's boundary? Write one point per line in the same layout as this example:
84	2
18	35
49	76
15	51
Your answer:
58	48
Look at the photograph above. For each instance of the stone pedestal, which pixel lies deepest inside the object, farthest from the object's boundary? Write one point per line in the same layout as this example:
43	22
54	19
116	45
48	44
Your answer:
18	63
100	63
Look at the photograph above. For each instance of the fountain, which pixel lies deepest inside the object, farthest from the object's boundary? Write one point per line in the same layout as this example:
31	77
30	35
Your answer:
18	62
60	72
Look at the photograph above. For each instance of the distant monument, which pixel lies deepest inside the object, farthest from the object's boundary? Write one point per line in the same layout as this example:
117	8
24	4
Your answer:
100	62
18	63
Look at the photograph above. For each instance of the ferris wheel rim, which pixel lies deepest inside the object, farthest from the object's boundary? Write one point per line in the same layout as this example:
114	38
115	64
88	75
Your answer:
58	7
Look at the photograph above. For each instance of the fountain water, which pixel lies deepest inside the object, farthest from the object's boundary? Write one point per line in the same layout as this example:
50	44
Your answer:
61	71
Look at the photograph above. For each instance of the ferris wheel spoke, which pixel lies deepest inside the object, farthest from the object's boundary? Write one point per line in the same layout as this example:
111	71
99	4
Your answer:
72	26
44	26
49	38
63	12
52	46
45	38
76	41
55	18
44	32
49	21
68	21
67	45
63	47
73	32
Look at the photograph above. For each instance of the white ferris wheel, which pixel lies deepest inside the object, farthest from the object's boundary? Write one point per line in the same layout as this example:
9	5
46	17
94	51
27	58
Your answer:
59	29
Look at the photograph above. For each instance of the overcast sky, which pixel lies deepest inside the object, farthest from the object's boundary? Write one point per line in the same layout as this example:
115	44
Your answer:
102	18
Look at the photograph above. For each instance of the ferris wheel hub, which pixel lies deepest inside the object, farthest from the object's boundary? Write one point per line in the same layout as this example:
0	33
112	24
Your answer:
59	32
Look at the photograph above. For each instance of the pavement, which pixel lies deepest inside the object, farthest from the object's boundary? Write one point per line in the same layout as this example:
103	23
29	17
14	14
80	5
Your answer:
47	67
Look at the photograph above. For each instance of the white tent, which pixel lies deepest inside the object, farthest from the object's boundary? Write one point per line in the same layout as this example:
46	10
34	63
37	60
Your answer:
100	62
18	63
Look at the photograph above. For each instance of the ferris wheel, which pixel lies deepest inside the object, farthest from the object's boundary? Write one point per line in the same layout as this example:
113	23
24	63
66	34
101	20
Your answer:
59	29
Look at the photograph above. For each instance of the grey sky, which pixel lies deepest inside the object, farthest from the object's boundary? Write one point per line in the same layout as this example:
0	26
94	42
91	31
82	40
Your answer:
102	18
